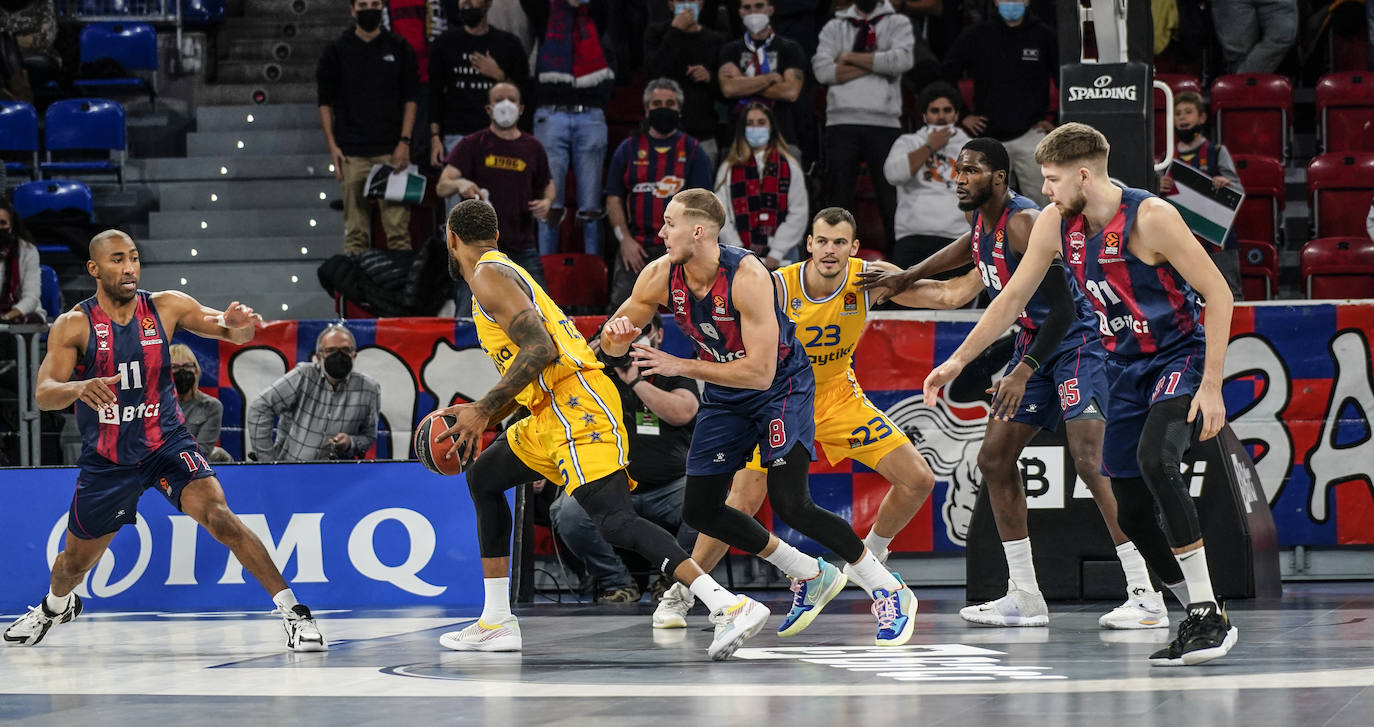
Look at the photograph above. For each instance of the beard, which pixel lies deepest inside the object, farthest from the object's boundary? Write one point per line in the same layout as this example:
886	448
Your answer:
1073	207
975	199
455	270
117	294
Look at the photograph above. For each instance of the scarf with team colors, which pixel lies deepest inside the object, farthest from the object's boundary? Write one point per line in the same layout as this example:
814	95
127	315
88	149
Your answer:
759	198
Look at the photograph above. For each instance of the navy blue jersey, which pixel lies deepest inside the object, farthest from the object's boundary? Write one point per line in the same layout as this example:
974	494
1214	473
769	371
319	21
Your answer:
1142	309
147	414
714	324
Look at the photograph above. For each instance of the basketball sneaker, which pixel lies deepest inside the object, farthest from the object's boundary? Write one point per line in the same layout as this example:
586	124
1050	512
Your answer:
302	633
30	628
1143	610
504	636
810	596
896	614
1205	634
1017	608
738	623
673	608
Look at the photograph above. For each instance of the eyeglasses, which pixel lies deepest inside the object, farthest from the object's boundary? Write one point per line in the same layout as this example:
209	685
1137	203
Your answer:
340	349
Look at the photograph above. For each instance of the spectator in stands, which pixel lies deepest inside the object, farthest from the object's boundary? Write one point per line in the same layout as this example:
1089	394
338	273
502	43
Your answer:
689	53
508	168
574	77
464	63
764	191
510	17
1255	35
203	413
862	54
367	83
659	412
324	409
921	167
764	67
648	168
1012	59
21	286
1193	148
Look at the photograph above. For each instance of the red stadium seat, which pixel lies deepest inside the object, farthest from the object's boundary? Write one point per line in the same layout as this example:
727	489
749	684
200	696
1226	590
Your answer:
1259	269
966	90
871	231
1340	187
577	281
1259	215
1179	83
871	255
1252	112
1339	267
1345	111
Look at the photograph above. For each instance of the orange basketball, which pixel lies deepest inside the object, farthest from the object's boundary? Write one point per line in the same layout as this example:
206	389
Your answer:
431	449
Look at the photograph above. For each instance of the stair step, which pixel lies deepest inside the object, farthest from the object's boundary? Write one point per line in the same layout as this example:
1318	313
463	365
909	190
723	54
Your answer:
285	166
287	28
232	145
226	94
233	278
264	72
230	195
275	49
264	116
272	298
274	250
233	224
291	9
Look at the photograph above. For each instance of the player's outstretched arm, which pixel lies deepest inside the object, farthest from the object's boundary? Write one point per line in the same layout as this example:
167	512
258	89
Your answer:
1159	223
937	294
55	389
650	292
887	281
235	324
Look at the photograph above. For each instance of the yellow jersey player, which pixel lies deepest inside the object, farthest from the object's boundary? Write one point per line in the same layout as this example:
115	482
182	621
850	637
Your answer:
824	300
573	436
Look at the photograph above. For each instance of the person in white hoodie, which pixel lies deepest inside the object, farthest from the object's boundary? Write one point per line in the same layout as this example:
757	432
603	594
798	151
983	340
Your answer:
921	167
761	185
862	54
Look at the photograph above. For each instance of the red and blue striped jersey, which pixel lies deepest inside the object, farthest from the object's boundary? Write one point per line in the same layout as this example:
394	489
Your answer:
1142	309
147	414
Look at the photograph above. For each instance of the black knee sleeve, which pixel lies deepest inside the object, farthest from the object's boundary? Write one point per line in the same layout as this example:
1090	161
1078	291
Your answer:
704	510
494	472
1164	440
1137	514
789	492
607	501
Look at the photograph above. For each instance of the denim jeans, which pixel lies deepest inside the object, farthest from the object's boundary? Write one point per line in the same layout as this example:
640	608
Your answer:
1255	35
528	259
576	141
661	505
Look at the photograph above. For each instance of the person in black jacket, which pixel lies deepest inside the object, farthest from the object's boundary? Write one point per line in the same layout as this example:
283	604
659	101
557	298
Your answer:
367	82
688	52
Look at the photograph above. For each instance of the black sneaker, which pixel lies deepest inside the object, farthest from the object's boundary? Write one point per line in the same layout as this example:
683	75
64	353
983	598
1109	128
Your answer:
1206	634
619	594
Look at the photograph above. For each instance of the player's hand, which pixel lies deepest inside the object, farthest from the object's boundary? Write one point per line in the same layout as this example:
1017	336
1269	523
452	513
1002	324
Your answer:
466	433
620	331
237	315
974	124
938	378
632	254
540	207
1008	392
652	361
336	156
883	284
400	157
97	392
1209	404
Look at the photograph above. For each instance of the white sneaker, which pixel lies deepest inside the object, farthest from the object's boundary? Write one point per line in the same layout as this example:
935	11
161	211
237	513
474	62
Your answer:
504	636
30	628
1017	608
1143	610
673	608
302	633
740	621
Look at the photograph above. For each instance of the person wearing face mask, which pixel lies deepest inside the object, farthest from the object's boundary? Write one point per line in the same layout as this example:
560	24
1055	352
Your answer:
648	168
921	167
367	82
464	63
688	52
324	409
204	414
509	169
764	67
20	283
1012	58
761	184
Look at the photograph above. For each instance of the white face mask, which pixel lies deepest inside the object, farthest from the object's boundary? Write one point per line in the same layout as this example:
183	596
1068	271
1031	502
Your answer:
505	113
755	22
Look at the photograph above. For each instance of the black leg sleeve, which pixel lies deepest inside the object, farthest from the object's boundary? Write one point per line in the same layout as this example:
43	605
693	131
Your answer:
494	472
1136	514
790	494
1164	441
607	501
704	509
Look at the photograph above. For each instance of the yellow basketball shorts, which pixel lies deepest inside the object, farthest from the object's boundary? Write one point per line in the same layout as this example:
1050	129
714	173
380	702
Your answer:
579	437
848	425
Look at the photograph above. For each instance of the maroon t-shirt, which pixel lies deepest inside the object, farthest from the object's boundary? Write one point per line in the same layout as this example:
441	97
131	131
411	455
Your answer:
515	172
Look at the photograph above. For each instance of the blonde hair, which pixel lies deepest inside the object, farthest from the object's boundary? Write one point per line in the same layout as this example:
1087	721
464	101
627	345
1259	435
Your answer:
1073	143
181	349
702	204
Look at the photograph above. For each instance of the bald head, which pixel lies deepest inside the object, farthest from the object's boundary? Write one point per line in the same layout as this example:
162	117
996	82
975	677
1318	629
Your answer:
100	241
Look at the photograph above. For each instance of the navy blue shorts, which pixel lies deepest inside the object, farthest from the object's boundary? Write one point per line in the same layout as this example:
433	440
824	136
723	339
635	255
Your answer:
725	434
107	495
1072	384
1136	385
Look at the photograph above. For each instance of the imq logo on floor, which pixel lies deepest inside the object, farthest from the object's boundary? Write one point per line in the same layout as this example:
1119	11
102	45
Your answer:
925	663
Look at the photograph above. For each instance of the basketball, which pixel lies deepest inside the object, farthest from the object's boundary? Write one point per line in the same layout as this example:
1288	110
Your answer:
430	449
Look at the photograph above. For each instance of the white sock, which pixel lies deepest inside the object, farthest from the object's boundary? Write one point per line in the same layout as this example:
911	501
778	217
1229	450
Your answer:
872	575
1180	591
1194	566
712	594
1134	567
496	607
1020	567
285	600
57	604
875	542
793	562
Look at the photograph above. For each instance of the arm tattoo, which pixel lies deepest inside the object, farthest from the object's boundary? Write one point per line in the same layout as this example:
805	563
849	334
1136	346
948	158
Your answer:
536	351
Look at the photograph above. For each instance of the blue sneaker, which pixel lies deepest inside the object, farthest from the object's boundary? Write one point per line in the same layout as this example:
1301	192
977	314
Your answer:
810	596
896	614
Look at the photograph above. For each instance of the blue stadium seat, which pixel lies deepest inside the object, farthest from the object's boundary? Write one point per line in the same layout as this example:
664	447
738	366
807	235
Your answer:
132	45
32	198
51	295
195	13
19	132
86	124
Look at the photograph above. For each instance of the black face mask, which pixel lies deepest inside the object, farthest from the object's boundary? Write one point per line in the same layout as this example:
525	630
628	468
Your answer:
338	365
185	381
369	20
866	6
471	17
664	120
1186	135
6	238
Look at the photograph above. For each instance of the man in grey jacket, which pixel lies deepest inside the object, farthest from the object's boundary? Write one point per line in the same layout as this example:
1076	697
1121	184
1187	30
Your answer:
862	54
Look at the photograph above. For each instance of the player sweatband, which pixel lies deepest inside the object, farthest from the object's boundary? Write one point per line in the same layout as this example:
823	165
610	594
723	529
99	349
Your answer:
1031	362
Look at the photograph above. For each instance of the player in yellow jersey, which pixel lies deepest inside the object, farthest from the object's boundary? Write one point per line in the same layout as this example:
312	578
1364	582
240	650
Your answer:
825	301
574	436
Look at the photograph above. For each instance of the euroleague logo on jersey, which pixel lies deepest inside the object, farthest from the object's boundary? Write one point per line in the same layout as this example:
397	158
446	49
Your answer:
851	302
719	302
149	327
1111	243
1076	244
